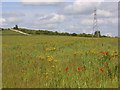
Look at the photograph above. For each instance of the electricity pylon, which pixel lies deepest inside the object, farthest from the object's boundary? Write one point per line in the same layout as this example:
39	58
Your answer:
95	23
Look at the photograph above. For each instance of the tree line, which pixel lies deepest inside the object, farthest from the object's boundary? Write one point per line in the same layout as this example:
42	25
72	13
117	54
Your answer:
46	32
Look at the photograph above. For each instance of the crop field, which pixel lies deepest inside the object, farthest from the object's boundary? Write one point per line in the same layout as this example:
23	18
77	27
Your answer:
59	62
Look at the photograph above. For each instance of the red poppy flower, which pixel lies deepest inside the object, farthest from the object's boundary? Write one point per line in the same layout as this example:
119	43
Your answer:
79	68
101	52
66	68
106	53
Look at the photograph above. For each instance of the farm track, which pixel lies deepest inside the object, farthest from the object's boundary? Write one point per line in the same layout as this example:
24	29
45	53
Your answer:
20	32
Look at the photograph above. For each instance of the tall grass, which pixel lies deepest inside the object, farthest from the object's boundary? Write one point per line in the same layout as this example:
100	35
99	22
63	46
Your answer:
59	62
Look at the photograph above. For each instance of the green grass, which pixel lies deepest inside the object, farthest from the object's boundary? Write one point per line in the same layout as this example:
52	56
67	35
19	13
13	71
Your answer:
41	62
10	33
0	60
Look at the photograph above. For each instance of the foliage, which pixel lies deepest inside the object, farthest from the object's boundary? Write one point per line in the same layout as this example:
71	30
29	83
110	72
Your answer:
46	32
16	27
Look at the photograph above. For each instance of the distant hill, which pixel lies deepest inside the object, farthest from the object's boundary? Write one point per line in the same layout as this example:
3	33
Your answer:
8	32
43	32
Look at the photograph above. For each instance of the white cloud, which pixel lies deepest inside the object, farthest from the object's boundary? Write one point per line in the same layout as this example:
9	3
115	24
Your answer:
87	22
89	0
104	13
51	18
111	0
41	2
106	21
57	18
6	21
2	20
13	19
13	14
113	21
109	34
82	6
43	17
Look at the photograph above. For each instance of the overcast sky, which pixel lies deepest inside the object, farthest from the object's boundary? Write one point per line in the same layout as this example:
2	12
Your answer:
71	16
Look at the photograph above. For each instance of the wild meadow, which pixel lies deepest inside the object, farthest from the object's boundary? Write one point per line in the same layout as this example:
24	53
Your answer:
59	62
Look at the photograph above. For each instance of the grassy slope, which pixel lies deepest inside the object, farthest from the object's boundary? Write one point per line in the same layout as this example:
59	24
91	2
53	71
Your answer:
25	62
10	33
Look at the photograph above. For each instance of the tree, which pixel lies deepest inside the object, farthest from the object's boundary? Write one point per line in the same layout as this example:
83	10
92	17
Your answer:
74	34
2	29
16	27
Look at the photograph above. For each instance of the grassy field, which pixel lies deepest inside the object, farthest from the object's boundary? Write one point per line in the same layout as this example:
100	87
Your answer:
59	62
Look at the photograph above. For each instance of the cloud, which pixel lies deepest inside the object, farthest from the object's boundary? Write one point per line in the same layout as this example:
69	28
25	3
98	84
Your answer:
86	22
111	0
104	13
13	14
50	21
2	20
41	2
107	21
109	34
113	21
13	19
89	0
9	21
82	7
51	18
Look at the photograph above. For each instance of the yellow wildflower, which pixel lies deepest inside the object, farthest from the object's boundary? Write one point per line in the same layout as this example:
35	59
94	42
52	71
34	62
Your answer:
54	49
53	66
50	49
50	58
